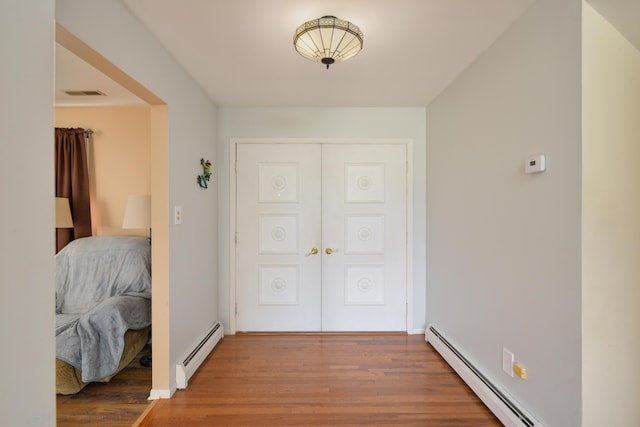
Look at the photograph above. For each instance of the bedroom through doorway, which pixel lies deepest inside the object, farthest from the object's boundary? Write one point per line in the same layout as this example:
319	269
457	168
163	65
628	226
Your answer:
129	144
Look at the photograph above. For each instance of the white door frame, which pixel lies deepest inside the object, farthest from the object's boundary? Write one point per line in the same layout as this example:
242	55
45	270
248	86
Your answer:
232	209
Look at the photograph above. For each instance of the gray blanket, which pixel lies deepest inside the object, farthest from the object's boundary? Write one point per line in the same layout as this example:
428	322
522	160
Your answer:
103	288
94	341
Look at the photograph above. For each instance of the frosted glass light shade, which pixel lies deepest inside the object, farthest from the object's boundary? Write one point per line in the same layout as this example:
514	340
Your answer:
328	40
138	212
63	213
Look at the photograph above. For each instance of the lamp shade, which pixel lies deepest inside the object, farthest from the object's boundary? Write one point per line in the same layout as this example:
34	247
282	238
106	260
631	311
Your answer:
328	40
138	212
63	213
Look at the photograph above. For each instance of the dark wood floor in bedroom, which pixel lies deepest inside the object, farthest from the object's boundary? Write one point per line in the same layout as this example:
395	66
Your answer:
117	403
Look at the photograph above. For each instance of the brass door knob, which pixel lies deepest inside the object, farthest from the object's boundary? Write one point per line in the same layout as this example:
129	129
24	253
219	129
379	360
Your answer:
329	251
314	251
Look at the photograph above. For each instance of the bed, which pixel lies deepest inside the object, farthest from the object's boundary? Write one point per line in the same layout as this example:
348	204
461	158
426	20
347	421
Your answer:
103	308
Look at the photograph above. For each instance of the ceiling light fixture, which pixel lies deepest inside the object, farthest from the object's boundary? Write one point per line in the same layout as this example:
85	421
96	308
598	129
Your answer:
328	40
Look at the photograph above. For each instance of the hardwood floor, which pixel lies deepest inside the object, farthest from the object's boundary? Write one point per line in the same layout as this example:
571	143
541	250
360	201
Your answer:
323	380
117	403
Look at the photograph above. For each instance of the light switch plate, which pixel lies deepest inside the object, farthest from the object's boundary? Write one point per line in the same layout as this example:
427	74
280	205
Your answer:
177	215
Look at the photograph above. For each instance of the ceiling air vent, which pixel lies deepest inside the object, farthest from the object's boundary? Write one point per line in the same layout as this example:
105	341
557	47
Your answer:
84	93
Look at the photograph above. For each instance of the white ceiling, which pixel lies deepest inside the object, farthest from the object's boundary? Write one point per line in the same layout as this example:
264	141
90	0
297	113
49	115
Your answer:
241	52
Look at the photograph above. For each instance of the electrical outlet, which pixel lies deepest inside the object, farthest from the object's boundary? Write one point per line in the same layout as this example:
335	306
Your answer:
507	361
177	219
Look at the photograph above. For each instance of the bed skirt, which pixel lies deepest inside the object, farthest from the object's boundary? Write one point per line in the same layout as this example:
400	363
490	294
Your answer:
69	379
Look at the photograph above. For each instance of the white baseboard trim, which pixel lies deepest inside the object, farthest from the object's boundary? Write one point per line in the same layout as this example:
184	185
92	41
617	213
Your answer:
416	331
503	406
192	360
156	394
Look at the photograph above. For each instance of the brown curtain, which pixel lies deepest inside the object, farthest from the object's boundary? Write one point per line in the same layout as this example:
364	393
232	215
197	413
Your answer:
72	182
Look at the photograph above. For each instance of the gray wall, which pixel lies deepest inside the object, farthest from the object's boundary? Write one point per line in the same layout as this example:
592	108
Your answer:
27	246
504	248
325	123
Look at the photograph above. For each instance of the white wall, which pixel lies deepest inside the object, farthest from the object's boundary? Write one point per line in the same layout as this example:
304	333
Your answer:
27	248
325	123
504	248
611	225
111	29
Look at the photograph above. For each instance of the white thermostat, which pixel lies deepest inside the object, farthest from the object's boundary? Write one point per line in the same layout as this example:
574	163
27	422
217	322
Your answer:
535	164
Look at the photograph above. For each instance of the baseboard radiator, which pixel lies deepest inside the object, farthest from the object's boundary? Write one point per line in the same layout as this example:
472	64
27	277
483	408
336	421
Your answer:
503	407
192	361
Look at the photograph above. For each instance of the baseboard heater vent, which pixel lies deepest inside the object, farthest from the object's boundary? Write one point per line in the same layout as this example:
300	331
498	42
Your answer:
502	406
194	359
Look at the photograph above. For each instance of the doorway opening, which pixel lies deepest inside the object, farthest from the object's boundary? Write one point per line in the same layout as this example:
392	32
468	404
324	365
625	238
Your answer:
158	131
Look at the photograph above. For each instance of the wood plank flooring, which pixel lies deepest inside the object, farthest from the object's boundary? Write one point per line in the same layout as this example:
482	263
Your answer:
116	403
323	380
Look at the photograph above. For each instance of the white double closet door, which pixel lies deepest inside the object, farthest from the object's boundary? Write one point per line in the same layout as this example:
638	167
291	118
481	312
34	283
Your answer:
321	237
